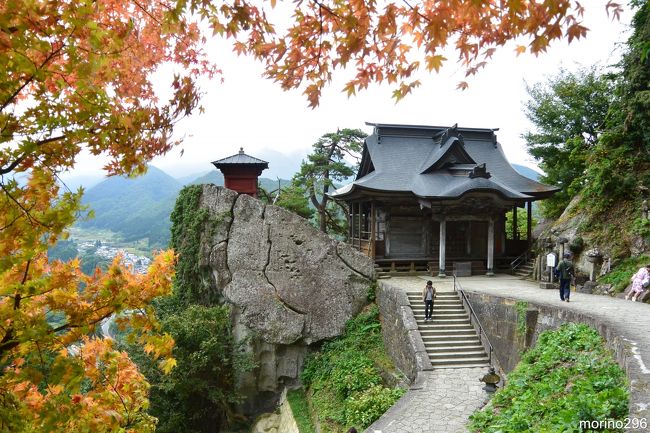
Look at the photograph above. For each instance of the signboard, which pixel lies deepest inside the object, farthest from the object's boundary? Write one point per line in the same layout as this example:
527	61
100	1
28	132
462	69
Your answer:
550	260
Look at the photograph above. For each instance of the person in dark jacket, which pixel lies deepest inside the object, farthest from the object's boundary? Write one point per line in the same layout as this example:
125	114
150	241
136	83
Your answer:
565	273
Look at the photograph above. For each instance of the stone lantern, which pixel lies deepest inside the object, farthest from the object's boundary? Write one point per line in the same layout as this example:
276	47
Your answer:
595	257
562	241
490	379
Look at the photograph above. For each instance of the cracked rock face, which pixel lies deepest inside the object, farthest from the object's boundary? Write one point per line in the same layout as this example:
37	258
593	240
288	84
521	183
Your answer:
290	284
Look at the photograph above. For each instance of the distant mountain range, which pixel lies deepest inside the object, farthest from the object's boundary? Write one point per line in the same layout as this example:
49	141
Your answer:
139	208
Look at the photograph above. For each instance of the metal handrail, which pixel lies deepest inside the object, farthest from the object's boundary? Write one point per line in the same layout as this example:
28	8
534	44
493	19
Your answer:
473	315
520	259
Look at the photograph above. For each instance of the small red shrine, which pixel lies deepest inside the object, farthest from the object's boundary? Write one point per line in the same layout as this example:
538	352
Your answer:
241	171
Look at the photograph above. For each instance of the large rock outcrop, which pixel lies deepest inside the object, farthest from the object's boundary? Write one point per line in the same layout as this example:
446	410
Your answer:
289	284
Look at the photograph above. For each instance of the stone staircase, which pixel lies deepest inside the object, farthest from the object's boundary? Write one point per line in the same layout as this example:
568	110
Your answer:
526	269
450	339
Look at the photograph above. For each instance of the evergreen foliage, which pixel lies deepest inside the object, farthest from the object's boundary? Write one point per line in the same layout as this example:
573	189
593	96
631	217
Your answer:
522	223
568	112
618	168
344	379
567	377
294	198
327	164
199	394
192	283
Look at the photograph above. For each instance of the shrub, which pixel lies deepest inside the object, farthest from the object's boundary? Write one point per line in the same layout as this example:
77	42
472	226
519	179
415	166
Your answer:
576	245
364	407
344	379
300	409
567	377
620	277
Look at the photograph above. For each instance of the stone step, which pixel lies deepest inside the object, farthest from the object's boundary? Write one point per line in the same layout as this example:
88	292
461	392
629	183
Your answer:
453	354
440	316
421	307
439	306
437	301
439	294
468	365
456	332
429	326
454	304
444	320
457	342
459	362
453	346
447	314
434	342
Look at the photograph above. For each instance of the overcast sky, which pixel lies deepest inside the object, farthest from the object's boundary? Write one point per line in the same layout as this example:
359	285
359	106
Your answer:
277	126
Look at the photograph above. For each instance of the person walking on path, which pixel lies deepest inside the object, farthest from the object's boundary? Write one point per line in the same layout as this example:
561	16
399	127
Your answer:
640	281
428	295
564	272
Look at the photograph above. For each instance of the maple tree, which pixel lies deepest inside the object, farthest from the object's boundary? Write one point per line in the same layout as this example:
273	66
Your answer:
78	75
390	41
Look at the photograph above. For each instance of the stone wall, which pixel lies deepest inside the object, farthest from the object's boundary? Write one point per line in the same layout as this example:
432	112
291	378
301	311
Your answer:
507	340
499	318
290	286
400	331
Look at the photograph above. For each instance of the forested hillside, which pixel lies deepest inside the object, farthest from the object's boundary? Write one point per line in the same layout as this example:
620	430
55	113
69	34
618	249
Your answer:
136	208
139	208
592	139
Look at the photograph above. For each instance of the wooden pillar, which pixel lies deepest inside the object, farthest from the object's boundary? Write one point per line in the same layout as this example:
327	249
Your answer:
373	223
515	233
352	223
349	222
469	238
502	234
360	226
442	243
490	248
529	225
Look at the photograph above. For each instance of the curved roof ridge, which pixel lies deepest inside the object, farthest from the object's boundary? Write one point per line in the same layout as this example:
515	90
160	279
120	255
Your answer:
478	184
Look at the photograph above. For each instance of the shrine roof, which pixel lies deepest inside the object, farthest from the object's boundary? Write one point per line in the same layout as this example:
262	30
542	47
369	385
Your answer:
439	163
240	158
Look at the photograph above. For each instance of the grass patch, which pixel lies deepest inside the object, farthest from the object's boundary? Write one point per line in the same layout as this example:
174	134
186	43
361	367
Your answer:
300	408
567	377
620	276
344	379
521	307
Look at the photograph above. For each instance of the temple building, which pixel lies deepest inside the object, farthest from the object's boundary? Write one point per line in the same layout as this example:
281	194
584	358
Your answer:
438	196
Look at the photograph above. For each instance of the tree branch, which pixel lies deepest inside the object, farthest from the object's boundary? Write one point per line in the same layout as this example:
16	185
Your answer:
31	77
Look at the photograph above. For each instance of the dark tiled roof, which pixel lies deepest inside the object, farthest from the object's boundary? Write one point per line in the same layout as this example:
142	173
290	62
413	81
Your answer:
240	158
435	162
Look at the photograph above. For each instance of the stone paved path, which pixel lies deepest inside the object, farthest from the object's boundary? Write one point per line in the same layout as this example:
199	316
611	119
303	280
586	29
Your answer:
441	403
443	390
